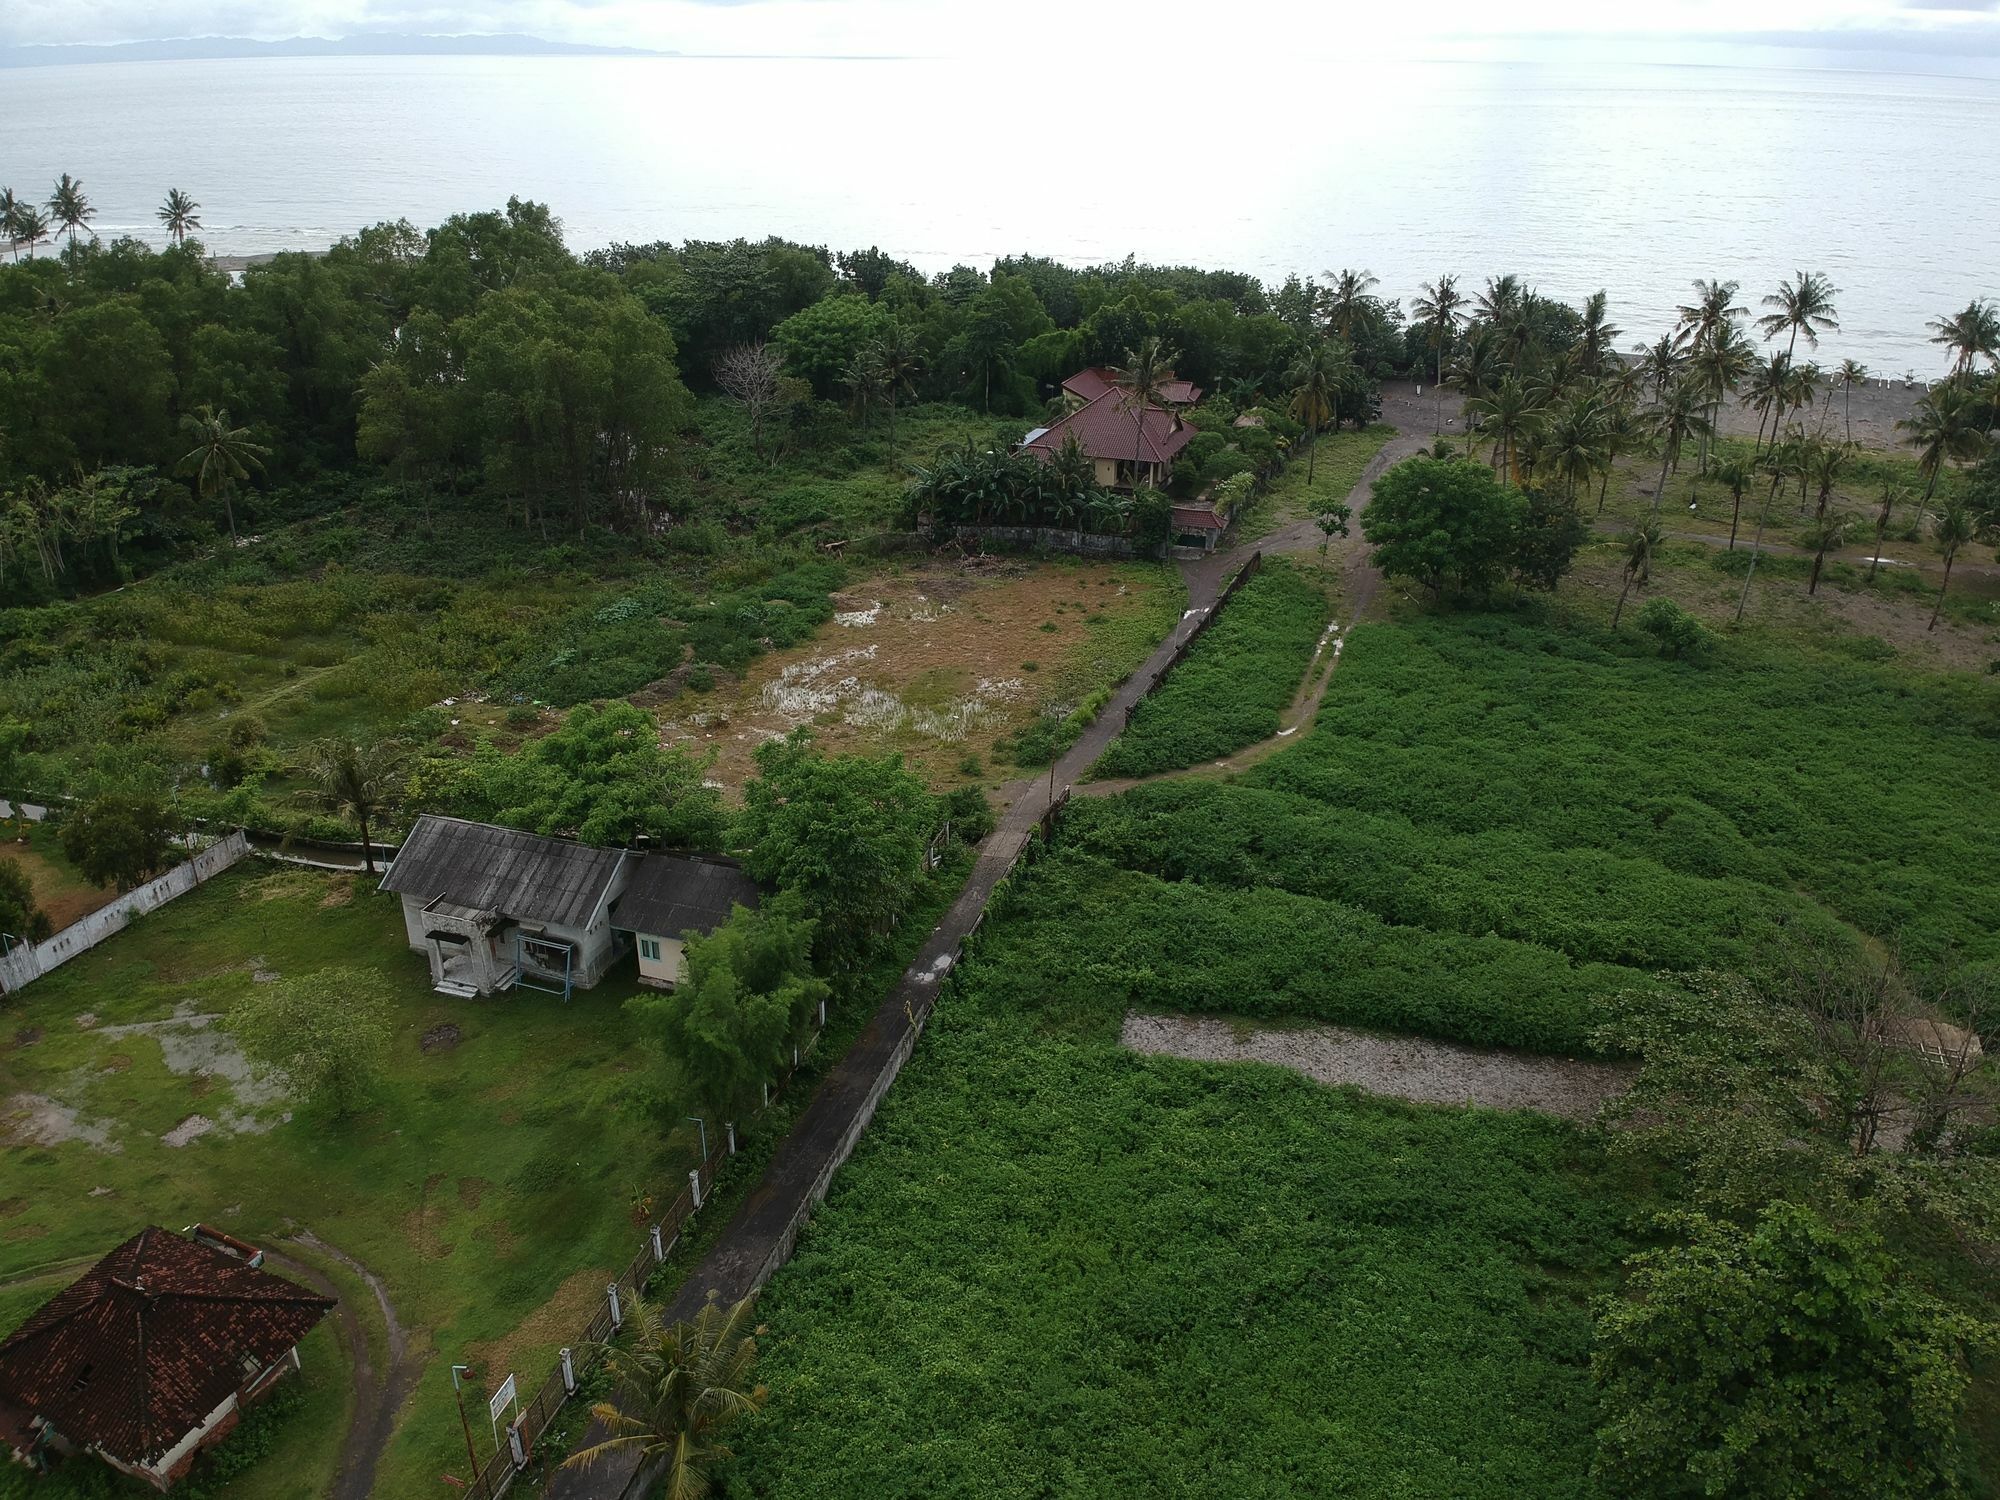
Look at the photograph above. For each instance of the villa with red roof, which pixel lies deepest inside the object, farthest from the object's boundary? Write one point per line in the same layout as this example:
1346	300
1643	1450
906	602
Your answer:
152	1355
1088	385
1125	443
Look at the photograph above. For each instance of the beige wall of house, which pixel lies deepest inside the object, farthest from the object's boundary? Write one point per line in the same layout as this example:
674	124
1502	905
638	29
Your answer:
1107	471
662	961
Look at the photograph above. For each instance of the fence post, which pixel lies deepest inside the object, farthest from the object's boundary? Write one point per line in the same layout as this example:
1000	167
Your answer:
694	1186
766	1087
518	1448
729	1130
822	1015
568	1372
617	1317
658	1253
795	1059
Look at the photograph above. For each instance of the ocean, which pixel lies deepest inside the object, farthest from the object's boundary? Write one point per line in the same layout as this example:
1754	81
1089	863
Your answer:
1574	174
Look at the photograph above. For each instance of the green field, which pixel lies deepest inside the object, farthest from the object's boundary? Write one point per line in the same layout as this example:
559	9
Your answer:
1335	472
486	1185
1232	687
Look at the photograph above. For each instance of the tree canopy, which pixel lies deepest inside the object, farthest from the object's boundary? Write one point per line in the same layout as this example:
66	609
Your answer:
1448	525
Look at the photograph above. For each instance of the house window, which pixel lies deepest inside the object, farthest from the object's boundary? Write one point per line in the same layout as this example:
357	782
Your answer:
649	947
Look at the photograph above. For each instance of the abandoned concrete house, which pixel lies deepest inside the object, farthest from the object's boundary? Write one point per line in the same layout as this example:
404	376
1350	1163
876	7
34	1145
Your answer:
494	908
153	1355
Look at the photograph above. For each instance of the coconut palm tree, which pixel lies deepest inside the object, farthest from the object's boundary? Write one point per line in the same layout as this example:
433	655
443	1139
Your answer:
1508	418
1713	309
1780	462
1660	362
1824	461
1944	424
1322	374
684	1385
1829	534
1953	528
355	781
1502	298
1573	442
1623	433
899	359
1890	495
181	214
1478	367
222	457
31	228
10	212
1441	309
1804	305
862	375
1679	416
1145	375
1847	377
1735	475
1347	299
1718	364
71	209
1764	389
1599	337
1968	335
1640	545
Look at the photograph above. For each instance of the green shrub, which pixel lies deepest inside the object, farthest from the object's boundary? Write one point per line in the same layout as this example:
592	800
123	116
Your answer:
1232	687
1681	636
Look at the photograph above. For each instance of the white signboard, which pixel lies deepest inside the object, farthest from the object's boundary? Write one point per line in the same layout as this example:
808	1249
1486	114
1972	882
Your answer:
502	1399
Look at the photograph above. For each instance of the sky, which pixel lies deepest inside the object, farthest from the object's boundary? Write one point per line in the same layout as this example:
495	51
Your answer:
1086	28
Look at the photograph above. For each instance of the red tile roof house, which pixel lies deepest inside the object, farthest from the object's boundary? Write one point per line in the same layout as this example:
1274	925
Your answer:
1088	385
153	1355
1117	435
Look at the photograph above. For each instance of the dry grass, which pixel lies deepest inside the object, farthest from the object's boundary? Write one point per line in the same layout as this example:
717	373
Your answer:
526	1350
937	661
59	891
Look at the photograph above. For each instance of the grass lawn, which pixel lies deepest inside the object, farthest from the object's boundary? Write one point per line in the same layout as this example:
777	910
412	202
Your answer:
487	1185
1337	469
1232	687
62	892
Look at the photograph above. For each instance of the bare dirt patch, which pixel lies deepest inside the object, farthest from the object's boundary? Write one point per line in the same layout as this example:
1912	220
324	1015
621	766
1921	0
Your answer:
118	1062
1413	1068
341	892
547	1328
936	662
60	894
38	1120
190	1130
27	1036
194	1045
471	1192
440	1038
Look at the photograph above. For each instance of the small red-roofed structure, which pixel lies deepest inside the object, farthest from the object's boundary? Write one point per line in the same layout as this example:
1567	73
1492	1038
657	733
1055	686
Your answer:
152	1355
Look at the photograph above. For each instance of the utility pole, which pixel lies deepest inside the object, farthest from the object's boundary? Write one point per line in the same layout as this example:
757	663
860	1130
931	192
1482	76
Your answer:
460	1394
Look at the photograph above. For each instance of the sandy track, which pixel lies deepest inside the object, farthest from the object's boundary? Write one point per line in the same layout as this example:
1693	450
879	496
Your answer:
1403	1067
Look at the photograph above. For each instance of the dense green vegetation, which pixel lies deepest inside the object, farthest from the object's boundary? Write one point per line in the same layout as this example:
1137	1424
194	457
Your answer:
1054	1267
1490	727
1232	687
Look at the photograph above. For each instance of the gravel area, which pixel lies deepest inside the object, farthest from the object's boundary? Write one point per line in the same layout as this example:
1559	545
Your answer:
1413	1068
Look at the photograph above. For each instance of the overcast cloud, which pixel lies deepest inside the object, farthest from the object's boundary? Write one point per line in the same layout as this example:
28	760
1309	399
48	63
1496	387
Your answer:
876	27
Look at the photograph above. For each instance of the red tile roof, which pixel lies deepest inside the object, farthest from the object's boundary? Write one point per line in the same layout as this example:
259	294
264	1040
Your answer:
148	1342
1088	385
1198	518
1108	428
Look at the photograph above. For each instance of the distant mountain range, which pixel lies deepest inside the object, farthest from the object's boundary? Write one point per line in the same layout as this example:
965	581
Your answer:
370	44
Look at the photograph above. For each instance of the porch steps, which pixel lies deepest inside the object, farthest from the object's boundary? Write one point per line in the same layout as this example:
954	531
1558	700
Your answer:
456	990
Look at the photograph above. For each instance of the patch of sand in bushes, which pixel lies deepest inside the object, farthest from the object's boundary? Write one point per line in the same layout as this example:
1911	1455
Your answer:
1402	1067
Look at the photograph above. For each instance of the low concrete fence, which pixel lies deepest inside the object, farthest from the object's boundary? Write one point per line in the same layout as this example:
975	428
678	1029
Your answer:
30	961
1049	539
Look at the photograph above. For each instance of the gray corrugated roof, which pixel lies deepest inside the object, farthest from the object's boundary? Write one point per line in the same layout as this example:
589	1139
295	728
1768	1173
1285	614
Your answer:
670	896
520	875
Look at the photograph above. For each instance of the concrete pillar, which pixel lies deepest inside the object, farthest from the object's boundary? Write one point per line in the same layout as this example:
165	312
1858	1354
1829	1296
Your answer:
729	1132
617	1316
659	1254
517	1447
568	1372
694	1186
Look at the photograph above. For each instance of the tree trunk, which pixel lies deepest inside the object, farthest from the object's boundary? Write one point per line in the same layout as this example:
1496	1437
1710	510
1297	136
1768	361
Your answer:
1756	549
367	847
1881	526
1735	513
1312	456
1603	485
1617	613
1949	558
229	509
1437	391
1812	584
1660	490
